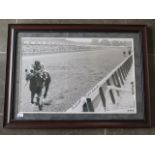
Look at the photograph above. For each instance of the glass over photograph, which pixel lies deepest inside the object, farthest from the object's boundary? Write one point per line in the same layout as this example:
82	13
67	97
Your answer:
76	75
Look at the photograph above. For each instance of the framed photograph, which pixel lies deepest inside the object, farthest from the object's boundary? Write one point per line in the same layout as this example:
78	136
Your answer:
76	76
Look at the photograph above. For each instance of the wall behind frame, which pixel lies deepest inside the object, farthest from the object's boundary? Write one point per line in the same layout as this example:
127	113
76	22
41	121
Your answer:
3	48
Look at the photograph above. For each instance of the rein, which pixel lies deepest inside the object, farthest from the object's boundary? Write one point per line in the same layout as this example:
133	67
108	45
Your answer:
33	75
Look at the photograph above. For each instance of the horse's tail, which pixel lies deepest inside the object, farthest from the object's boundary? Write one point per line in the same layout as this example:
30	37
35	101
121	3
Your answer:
47	83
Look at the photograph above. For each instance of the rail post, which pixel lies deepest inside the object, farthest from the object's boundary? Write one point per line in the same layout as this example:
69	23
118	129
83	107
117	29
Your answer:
128	65
117	79
120	76
125	68
85	107
125	73
122	72
90	105
101	92
115	83
111	92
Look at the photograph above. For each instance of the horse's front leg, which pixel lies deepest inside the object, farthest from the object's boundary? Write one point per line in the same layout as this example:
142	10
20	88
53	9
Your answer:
40	100
32	97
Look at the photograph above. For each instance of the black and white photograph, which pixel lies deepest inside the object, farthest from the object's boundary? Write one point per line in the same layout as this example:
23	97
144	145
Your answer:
76	75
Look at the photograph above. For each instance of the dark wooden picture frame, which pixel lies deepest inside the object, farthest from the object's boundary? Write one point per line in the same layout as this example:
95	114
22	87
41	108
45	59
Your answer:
14	29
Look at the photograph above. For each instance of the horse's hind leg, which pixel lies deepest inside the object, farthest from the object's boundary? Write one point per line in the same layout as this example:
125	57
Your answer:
32	97
47	83
37	100
46	90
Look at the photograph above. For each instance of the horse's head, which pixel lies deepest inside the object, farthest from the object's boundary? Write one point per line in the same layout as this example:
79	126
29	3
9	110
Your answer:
29	74
35	78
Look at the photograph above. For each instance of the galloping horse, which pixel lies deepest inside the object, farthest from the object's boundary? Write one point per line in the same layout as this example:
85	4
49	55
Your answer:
36	85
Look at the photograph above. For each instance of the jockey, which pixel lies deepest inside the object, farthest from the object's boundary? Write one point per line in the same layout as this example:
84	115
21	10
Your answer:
38	68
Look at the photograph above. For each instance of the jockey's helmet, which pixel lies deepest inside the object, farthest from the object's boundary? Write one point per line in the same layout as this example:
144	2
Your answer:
37	63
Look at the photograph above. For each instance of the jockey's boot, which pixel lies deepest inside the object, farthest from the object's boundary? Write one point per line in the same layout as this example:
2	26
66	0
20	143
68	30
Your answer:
45	76
32	102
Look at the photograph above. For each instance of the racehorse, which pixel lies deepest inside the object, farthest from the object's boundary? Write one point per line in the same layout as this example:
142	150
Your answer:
36	85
